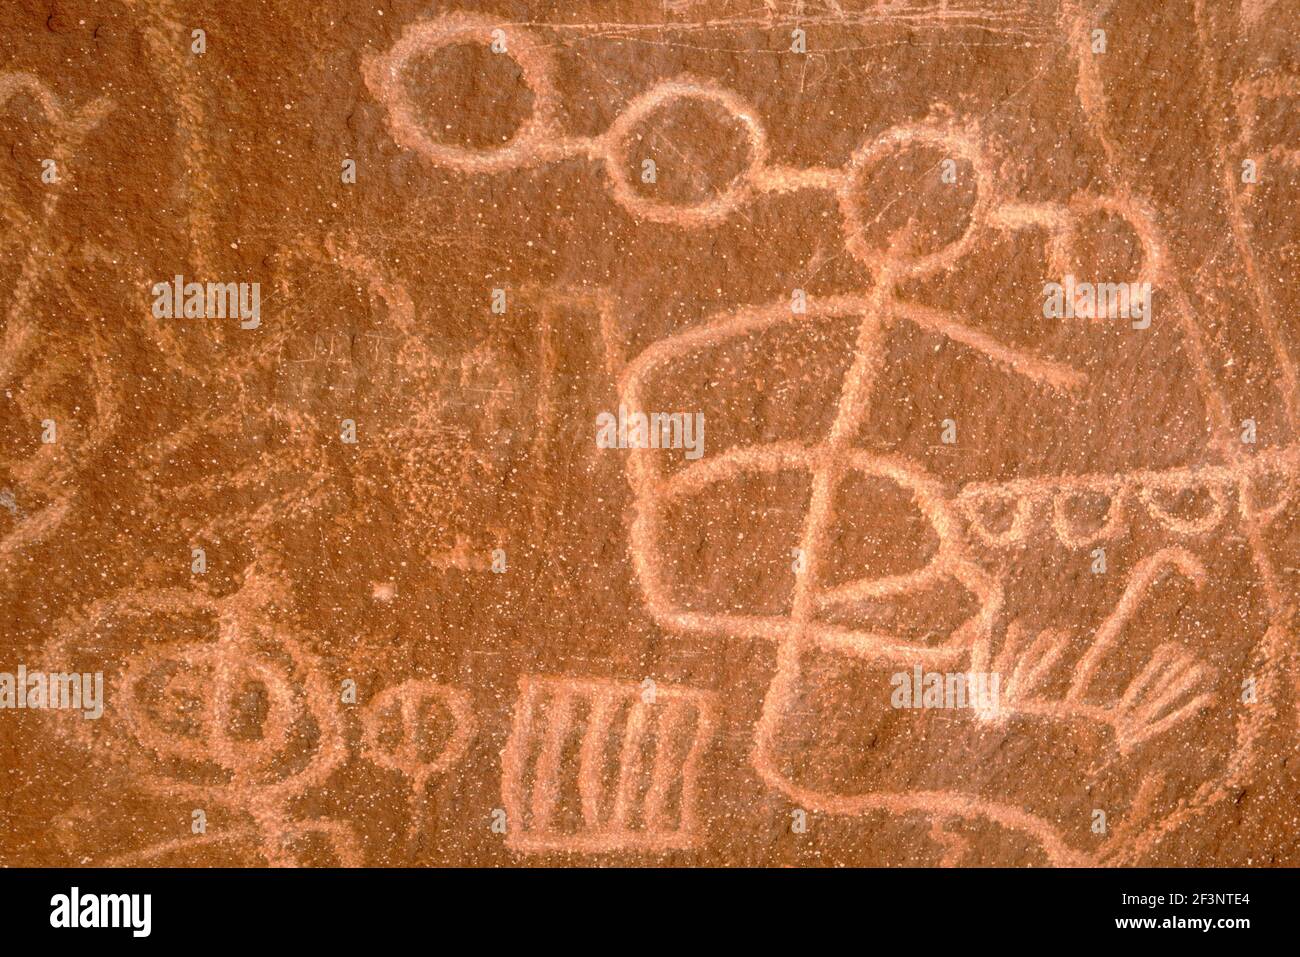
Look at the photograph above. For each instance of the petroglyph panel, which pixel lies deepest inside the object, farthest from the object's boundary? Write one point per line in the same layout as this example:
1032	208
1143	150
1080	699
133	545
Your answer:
587	433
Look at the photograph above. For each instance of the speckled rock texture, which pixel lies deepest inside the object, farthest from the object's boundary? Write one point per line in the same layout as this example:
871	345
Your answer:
699	433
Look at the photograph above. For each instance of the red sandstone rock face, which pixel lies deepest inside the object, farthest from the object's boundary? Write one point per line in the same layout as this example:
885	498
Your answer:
441	617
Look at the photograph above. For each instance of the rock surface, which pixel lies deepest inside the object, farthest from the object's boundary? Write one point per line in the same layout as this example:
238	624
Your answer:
925	571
